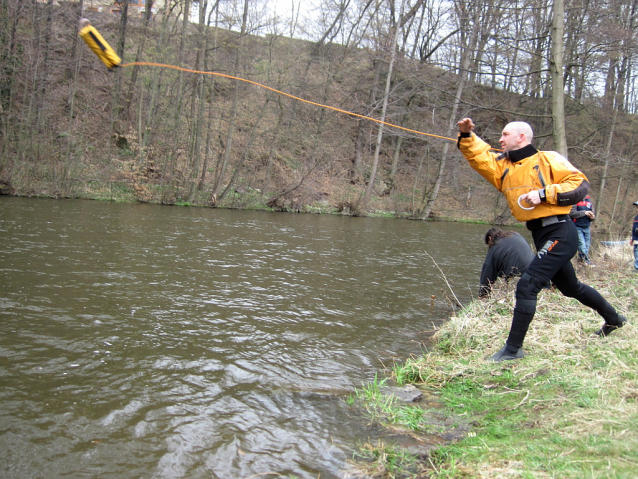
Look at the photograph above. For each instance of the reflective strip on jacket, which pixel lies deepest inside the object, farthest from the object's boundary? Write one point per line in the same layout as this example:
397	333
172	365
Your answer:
544	169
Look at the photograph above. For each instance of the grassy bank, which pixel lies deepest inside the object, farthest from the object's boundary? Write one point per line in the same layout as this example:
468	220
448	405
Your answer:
569	409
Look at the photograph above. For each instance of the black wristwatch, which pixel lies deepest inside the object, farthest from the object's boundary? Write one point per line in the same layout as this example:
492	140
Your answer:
541	194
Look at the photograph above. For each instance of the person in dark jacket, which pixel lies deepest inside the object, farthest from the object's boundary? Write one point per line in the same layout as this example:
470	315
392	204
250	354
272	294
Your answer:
583	214
540	187
634	238
508	255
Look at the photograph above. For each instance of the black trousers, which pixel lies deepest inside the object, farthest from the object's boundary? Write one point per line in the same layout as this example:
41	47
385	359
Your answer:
556	245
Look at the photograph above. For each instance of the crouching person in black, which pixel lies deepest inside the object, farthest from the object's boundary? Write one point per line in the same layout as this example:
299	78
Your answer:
508	255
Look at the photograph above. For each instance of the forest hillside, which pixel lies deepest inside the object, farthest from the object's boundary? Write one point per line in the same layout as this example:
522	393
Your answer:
70	128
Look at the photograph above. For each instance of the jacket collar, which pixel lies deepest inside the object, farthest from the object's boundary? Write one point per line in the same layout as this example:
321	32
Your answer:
521	153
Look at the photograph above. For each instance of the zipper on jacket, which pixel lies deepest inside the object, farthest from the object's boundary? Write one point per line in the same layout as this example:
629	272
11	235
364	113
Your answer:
540	175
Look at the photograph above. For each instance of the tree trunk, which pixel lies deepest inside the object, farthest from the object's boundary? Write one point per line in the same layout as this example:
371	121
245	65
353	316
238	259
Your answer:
70	144
603	176
201	107
357	170
384	107
45	68
233	116
117	91
169	196
465	63
151	113
247	151
558	88
617	197
138	56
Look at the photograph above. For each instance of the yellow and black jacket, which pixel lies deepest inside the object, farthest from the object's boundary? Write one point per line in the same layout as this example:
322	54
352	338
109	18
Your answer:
521	171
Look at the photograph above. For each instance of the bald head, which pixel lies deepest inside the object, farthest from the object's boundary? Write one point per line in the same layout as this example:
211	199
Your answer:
516	135
522	128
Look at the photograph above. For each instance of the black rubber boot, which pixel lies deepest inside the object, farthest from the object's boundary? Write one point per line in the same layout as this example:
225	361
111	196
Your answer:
507	353
607	329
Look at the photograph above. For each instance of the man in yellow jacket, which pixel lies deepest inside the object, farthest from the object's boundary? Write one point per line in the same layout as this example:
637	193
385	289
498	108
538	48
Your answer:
540	188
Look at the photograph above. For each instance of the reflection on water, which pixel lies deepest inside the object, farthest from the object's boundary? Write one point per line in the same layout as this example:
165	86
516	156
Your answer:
148	341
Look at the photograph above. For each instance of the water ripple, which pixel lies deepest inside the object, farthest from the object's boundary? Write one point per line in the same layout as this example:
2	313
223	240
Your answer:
145	341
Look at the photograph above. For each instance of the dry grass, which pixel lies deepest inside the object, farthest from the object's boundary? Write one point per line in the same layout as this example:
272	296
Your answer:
569	409
562	326
596	395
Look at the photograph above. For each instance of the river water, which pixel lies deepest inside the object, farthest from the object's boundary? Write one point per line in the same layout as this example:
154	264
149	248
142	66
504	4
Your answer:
144	341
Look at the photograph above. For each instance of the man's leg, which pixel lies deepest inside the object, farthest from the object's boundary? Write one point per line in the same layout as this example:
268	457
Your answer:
636	256
568	284
527	290
586	232
582	245
556	247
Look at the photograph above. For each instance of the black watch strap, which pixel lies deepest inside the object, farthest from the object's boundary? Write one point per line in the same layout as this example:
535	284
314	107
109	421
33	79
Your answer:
541	194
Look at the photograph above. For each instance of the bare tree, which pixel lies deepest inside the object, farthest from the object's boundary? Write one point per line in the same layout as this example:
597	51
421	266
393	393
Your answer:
465	62
394	35
556	66
235	105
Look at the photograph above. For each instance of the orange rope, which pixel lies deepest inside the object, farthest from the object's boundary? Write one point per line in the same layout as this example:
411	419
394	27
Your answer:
288	95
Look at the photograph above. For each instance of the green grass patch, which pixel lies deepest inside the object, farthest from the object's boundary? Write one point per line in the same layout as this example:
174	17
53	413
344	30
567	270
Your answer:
381	460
